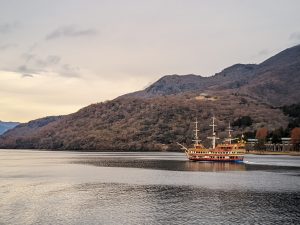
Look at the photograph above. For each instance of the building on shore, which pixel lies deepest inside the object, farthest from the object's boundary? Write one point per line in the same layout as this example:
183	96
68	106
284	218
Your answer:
284	146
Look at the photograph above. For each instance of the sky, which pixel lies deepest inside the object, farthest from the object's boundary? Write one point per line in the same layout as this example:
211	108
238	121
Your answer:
57	56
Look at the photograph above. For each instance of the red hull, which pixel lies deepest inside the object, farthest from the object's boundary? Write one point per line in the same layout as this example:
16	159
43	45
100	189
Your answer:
217	160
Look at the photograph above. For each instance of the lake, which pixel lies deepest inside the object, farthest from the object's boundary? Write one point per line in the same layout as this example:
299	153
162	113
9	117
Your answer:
47	187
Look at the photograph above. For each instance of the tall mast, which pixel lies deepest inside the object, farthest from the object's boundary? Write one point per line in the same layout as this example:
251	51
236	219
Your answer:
214	138
196	133
229	139
229	133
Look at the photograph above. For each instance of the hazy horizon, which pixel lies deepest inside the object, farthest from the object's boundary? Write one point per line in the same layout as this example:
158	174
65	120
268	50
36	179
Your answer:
59	56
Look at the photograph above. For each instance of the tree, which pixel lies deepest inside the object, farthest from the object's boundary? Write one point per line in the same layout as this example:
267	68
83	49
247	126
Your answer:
261	135
277	134
249	134
295	136
243	121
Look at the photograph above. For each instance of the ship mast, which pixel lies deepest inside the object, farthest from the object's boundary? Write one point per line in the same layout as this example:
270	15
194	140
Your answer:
213	137
229	133
196	140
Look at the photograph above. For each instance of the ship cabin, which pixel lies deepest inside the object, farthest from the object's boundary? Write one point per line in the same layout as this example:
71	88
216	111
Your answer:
226	148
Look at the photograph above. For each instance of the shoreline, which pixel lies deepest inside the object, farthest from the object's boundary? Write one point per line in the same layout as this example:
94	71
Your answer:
253	152
256	152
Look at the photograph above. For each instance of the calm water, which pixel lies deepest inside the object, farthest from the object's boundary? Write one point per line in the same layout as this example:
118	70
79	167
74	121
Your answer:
41	187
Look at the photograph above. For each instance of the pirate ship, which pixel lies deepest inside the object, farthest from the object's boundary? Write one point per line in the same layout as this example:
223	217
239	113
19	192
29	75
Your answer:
231	150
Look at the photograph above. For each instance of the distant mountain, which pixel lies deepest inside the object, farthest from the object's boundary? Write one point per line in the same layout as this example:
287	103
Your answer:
5	126
160	115
275	81
32	126
175	84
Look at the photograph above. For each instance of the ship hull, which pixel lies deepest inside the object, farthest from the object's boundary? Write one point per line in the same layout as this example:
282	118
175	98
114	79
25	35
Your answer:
217	160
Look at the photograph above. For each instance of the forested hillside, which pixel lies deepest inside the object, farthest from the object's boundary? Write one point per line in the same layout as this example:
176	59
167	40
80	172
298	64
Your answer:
145	124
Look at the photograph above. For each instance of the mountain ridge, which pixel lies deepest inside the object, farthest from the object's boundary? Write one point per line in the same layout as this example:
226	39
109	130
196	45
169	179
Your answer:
240	78
161	114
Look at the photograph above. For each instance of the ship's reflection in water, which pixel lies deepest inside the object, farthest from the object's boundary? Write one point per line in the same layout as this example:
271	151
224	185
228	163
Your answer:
164	164
214	166
178	162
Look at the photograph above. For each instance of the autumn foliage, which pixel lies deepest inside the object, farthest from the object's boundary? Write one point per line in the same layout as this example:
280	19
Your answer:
295	136
261	133
135	124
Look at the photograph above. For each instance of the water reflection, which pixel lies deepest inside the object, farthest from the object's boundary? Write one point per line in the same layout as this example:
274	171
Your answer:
214	166
111	203
163	164
105	188
178	165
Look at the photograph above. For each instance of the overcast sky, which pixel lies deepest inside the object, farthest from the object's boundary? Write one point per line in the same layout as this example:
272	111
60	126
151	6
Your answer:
57	56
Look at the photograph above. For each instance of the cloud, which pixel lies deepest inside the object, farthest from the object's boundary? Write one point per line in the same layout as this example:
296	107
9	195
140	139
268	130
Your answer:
69	71
35	65
26	71
264	52
49	61
26	75
8	27
28	57
7	46
295	36
70	31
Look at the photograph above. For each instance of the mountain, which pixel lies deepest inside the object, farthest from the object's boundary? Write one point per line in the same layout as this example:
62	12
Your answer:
162	114
5	126
176	84
275	81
